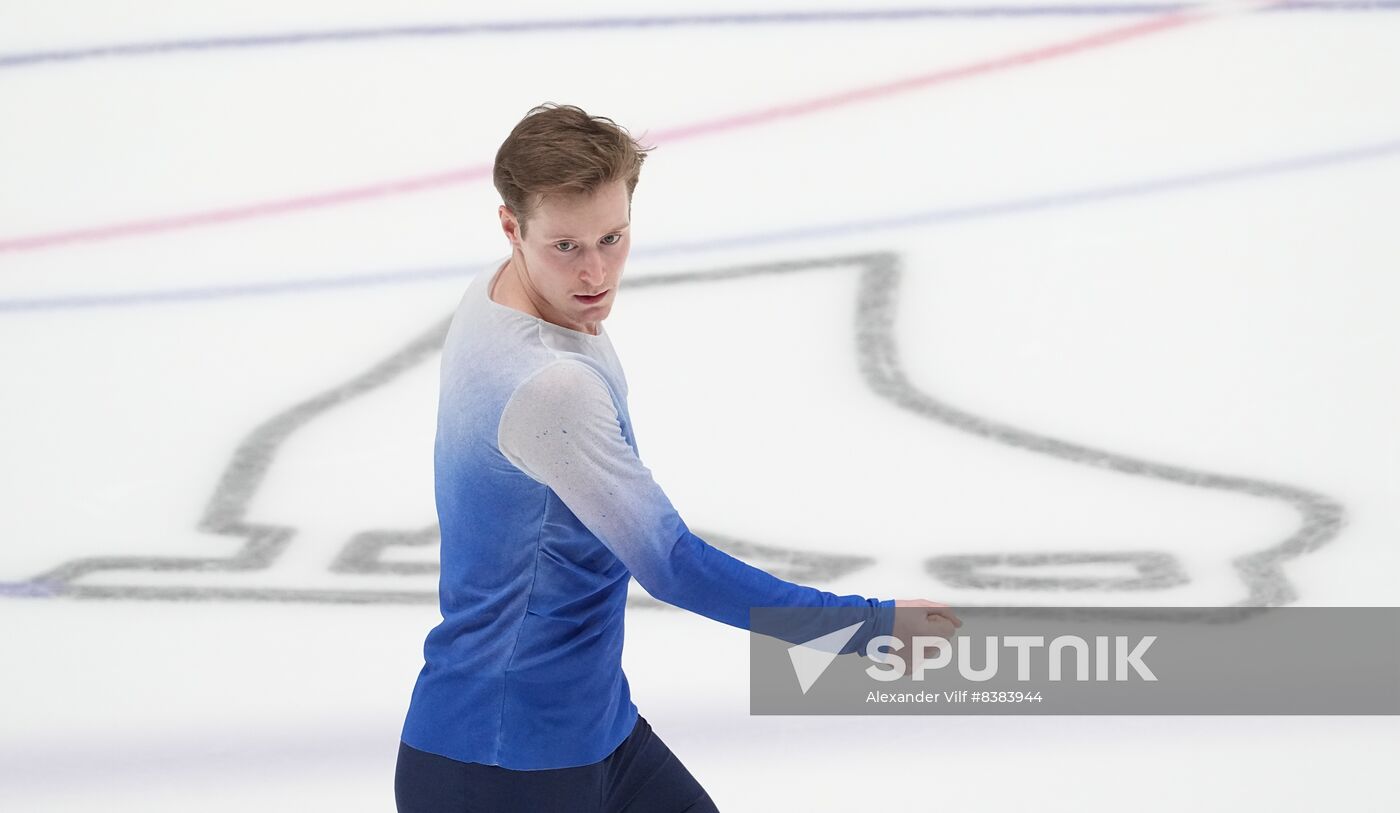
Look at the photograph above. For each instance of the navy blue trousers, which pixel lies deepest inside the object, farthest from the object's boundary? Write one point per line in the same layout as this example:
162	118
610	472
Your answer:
640	776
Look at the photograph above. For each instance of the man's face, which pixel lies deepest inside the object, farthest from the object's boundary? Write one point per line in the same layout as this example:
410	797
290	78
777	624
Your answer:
577	245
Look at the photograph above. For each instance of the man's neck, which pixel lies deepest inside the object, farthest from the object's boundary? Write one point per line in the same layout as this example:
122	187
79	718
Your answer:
509	291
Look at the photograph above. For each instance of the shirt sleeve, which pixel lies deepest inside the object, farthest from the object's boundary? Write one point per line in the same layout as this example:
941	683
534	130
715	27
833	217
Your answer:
561	428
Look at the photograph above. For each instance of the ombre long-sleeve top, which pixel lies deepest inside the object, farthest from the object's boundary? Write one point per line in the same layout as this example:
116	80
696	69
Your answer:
546	512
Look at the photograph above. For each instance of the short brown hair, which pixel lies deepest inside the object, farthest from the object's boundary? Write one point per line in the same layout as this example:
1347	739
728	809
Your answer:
559	149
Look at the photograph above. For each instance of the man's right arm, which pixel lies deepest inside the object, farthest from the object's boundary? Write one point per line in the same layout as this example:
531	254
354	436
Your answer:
562	429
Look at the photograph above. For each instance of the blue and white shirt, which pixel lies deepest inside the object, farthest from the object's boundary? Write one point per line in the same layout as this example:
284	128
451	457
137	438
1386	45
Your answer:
546	511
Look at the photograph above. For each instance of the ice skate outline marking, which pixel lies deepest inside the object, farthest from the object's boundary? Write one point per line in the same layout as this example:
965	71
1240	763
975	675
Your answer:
1152	570
878	361
225	514
1261	571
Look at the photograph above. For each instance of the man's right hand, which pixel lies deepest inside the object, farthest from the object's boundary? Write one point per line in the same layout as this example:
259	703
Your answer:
931	618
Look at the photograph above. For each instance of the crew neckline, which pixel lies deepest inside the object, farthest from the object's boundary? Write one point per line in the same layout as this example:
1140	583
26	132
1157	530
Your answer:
491	283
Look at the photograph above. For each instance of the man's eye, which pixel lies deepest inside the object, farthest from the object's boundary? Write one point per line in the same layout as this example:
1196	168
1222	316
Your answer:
562	243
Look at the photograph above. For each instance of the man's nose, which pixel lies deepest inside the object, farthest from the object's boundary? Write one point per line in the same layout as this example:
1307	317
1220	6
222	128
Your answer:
592	274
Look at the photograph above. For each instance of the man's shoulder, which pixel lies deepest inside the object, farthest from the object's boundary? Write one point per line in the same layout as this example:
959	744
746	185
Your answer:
558	408
563	381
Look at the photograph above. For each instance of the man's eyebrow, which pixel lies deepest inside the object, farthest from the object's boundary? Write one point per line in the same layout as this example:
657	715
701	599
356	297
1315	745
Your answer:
610	231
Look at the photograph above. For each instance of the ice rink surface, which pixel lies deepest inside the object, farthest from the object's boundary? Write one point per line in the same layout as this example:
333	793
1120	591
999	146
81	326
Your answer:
1032	305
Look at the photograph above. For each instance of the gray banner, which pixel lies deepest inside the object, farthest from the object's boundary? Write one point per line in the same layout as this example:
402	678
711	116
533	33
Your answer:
1081	660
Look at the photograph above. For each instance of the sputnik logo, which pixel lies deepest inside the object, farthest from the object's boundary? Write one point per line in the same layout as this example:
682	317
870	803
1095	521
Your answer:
810	659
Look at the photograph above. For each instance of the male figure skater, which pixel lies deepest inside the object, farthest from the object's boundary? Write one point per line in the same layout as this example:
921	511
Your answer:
546	512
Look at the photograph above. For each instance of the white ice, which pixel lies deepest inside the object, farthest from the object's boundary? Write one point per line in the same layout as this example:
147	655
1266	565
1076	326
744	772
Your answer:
1244	327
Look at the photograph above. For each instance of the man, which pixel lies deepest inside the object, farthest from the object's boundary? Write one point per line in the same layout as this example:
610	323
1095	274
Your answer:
546	512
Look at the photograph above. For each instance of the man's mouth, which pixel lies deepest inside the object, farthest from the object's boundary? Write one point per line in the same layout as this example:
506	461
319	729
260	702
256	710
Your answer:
598	297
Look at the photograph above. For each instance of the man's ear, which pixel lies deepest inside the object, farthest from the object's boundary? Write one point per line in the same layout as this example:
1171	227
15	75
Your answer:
510	225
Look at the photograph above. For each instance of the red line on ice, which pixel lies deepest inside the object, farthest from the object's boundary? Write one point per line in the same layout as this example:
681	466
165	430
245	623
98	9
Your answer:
401	186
